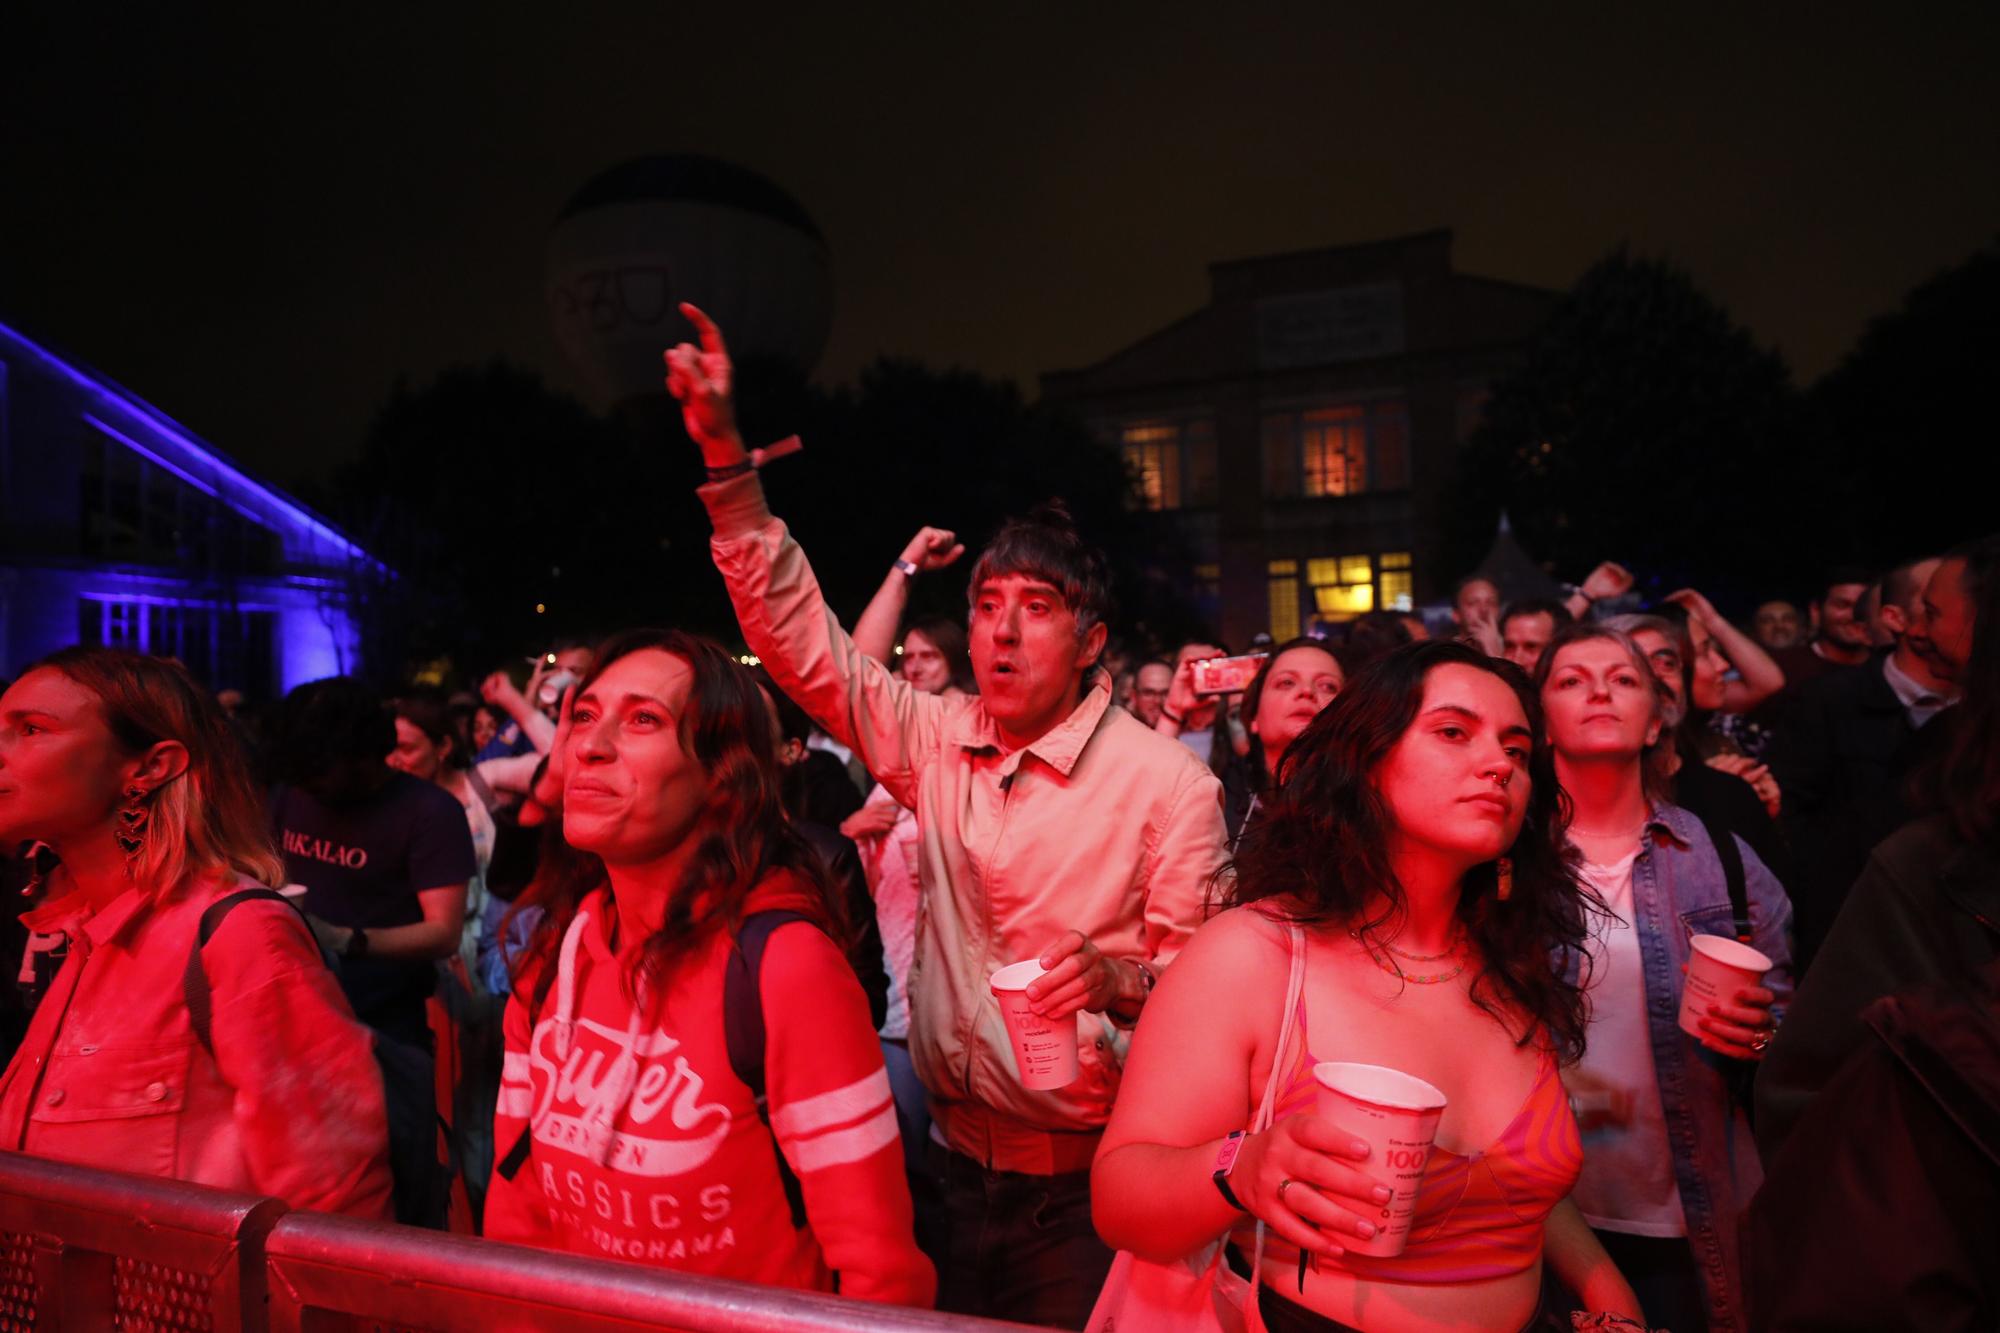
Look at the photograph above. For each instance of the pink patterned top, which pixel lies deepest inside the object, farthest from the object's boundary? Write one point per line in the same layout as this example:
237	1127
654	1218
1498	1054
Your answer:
1477	1217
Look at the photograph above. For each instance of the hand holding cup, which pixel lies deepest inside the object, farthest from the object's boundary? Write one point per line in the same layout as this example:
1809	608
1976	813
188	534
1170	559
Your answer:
1296	1176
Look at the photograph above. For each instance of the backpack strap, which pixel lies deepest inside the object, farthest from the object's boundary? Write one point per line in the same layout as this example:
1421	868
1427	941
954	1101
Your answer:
743	1034
1731	857
510	1163
482	789
743	1030
194	977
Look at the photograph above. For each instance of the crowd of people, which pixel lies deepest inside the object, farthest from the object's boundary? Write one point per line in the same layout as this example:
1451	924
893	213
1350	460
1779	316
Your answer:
668	960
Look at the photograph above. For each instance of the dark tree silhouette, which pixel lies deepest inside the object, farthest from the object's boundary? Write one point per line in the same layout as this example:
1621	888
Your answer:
1644	426
1908	456
489	494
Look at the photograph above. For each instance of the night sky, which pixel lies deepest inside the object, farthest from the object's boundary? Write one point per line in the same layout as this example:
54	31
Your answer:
259	220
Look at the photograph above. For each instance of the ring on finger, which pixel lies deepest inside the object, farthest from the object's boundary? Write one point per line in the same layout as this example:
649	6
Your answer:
1284	1185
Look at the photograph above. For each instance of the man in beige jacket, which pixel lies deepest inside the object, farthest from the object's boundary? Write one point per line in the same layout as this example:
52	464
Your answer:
1053	826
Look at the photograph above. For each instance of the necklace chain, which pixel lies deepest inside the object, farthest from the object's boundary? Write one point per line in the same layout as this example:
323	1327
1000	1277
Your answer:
1380	957
1406	955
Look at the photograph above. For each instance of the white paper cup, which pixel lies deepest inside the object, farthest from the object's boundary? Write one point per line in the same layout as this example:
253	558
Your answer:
1717	968
1044	1048
1397	1116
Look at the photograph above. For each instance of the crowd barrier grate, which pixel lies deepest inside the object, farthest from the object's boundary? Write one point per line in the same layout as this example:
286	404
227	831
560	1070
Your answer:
90	1250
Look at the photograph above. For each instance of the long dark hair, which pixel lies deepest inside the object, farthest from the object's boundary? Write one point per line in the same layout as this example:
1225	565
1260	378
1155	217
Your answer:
1260	767
743	837
428	712
949	638
1320	847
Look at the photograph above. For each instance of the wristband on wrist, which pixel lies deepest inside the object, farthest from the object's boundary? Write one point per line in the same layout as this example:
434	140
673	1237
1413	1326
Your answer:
909	567
1173	717
732	470
1225	1162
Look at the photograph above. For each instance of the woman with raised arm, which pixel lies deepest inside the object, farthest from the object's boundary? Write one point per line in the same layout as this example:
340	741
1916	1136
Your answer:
1414	854
664	1151
1668	1159
183	1029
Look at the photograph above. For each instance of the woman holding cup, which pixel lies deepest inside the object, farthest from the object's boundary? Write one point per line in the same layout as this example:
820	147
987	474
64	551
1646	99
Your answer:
1660	1092
1411	865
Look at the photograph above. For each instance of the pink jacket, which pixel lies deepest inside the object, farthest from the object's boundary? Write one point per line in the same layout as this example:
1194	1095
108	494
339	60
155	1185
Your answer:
111	1074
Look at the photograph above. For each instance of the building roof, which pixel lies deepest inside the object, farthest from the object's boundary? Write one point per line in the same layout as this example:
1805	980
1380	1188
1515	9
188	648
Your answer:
1336	305
124	417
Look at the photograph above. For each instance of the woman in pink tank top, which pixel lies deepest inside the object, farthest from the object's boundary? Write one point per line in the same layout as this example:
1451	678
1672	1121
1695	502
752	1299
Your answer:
1414	855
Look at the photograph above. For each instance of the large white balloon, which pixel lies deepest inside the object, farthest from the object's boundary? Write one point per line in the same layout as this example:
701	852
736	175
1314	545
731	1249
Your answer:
639	239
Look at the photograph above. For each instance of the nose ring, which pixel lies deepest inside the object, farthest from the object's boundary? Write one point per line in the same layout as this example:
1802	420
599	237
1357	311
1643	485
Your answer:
1500	780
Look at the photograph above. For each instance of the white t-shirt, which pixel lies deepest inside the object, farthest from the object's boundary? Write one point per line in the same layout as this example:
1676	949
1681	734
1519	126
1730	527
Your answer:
1628	1182
889	862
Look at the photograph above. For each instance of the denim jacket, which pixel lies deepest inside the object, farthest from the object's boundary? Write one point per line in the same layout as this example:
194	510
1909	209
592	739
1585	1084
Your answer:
1678	891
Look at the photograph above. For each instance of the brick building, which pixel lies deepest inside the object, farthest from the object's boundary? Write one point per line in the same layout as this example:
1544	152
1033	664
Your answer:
1299	429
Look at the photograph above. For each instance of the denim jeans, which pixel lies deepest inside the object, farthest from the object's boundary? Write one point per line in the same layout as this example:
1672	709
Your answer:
1016	1246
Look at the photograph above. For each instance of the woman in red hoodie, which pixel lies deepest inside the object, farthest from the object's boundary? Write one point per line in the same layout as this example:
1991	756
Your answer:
632	1135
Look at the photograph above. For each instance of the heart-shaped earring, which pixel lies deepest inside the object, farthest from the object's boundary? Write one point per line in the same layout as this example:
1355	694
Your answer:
133	819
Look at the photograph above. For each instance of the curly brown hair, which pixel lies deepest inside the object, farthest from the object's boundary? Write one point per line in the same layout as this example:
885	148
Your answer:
1319	849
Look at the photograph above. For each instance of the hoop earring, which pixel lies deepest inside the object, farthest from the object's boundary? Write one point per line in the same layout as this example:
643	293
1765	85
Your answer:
1504	873
133	820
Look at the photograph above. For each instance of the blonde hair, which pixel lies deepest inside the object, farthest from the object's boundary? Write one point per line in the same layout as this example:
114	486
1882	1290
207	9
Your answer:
1656	758
209	818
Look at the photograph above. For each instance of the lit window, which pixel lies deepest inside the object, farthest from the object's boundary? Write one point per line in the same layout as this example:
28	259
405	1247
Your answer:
1152	456
1396	582
1284	588
1334	451
1172	462
1343	587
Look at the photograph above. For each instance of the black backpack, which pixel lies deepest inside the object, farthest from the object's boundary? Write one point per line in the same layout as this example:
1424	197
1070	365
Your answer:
743	1033
422	1181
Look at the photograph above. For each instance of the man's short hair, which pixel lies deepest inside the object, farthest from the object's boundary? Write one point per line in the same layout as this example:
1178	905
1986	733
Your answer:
1557	613
1840	575
1899	585
1474	577
1045	544
1982	561
325	722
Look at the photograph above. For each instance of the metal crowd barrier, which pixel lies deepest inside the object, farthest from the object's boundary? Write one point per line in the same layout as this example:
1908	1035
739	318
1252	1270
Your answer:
335	1273
83	1249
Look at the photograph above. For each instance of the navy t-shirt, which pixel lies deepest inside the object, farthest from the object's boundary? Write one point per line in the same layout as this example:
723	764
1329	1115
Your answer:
363	865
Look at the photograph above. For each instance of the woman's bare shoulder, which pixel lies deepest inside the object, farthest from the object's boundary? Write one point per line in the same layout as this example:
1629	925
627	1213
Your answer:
1250	934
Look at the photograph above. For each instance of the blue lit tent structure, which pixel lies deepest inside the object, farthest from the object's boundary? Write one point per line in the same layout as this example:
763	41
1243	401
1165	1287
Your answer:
118	525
